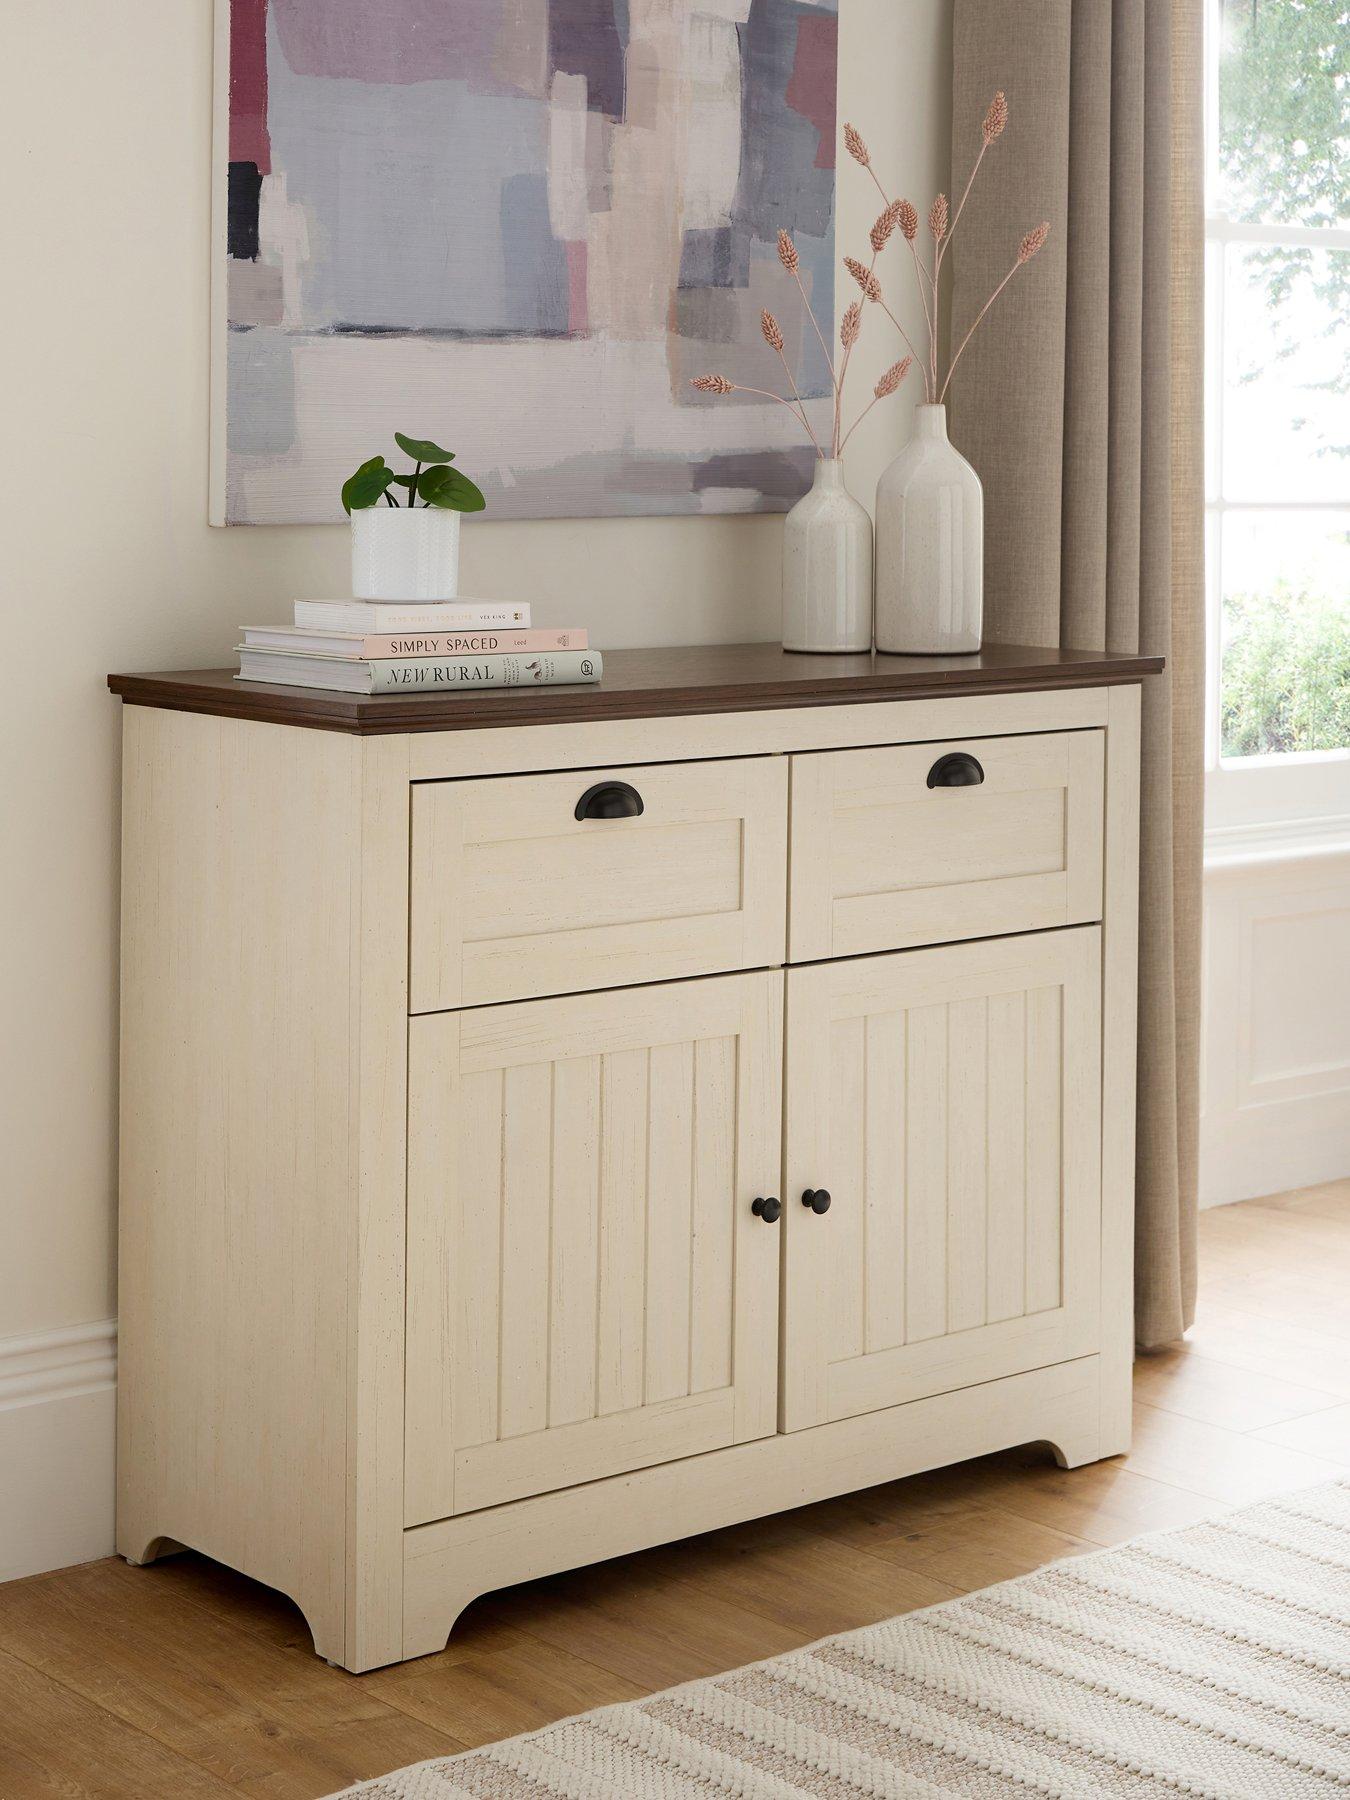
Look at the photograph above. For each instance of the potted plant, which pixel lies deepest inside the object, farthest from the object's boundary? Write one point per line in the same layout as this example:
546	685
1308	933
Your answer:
405	528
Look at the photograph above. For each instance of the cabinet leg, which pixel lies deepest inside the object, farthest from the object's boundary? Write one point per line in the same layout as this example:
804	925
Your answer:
428	1624
137	1550
151	1550
1071	1452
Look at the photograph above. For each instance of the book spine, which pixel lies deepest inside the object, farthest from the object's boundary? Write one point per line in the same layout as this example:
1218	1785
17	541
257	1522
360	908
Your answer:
328	615
462	618
468	643
411	674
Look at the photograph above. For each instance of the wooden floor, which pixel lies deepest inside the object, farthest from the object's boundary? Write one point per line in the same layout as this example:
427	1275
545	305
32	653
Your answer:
183	1679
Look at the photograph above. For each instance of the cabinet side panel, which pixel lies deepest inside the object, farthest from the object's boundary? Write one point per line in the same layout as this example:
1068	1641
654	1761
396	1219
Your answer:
377	1222
239	903
1120	1002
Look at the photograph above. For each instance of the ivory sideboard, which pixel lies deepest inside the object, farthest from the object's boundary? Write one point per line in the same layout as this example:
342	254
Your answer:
558	1122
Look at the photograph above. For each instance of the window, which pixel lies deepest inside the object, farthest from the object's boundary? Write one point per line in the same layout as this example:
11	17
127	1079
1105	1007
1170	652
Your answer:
1278	408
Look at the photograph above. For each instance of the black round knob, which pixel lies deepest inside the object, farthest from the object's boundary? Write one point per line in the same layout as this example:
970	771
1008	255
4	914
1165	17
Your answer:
768	1210
818	1199
960	769
609	800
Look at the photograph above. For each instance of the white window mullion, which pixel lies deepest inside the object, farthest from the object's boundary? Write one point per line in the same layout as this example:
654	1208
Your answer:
1317	237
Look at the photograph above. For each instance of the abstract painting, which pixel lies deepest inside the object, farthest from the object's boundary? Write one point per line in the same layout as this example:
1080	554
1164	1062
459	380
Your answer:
522	226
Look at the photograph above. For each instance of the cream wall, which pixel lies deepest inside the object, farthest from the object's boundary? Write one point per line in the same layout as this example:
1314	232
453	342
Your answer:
108	562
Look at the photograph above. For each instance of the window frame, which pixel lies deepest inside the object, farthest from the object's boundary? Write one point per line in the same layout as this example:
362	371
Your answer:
1242	793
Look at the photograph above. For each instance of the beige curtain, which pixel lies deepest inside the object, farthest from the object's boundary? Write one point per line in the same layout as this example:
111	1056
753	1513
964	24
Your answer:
1080	405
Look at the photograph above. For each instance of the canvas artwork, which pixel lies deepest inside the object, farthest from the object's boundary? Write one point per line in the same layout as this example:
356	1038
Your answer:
522	226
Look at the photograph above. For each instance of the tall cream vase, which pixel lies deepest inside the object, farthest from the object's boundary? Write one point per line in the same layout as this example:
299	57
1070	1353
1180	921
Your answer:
827	567
405	553
930	546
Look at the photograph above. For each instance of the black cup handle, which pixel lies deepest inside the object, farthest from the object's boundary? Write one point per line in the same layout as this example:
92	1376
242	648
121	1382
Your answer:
960	769
610	800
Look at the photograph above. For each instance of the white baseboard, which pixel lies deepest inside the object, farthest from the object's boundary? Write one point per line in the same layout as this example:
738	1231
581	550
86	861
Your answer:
58	1394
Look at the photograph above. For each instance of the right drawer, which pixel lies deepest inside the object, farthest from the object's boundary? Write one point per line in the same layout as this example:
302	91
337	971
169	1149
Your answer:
928	843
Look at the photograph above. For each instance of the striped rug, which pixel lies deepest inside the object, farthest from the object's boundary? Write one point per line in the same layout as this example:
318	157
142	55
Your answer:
1211	1661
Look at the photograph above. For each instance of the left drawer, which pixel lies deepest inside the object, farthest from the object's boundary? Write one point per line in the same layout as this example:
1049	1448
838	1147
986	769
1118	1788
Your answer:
671	869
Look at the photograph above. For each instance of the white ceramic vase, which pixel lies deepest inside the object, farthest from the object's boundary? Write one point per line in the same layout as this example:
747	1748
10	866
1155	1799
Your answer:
405	553
930	546
827	567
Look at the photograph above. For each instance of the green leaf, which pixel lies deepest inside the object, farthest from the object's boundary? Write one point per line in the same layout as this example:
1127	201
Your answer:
406	481
422	449
441	486
367	485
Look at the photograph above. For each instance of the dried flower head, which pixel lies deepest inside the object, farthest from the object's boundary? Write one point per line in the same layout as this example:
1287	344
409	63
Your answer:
1033	241
773	335
712	384
908	215
864	277
856	148
937	218
996	118
891	380
851	324
880	233
787	252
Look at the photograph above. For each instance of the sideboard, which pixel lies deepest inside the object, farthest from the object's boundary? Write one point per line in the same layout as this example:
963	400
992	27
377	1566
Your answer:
557	1122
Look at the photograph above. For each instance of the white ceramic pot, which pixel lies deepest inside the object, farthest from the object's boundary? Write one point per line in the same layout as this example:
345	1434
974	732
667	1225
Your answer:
405	553
827	568
930	545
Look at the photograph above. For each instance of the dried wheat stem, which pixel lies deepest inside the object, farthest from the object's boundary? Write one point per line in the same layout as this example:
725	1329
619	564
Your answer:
881	190
718	384
815	325
791	261
766	394
909	225
965	195
1031	245
773	335
929	316
858	421
909	344
938	217
801	404
994	121
970	334
867	281
887	386
850	329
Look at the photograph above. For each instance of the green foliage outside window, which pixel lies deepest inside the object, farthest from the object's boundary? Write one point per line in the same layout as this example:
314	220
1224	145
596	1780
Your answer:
1286	671
1284	146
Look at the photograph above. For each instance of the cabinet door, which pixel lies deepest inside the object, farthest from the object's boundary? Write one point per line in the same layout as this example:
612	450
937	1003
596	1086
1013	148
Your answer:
949	1100
589	1290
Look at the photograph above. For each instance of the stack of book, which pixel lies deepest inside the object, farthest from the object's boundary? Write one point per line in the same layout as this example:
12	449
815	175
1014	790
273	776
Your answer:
384	647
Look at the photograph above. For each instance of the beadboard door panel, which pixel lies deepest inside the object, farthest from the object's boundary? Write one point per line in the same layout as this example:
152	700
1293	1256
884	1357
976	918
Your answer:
949	1100
514	896
880	860
588	1289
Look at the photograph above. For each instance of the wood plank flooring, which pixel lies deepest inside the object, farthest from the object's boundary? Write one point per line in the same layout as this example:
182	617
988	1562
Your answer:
184	1680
